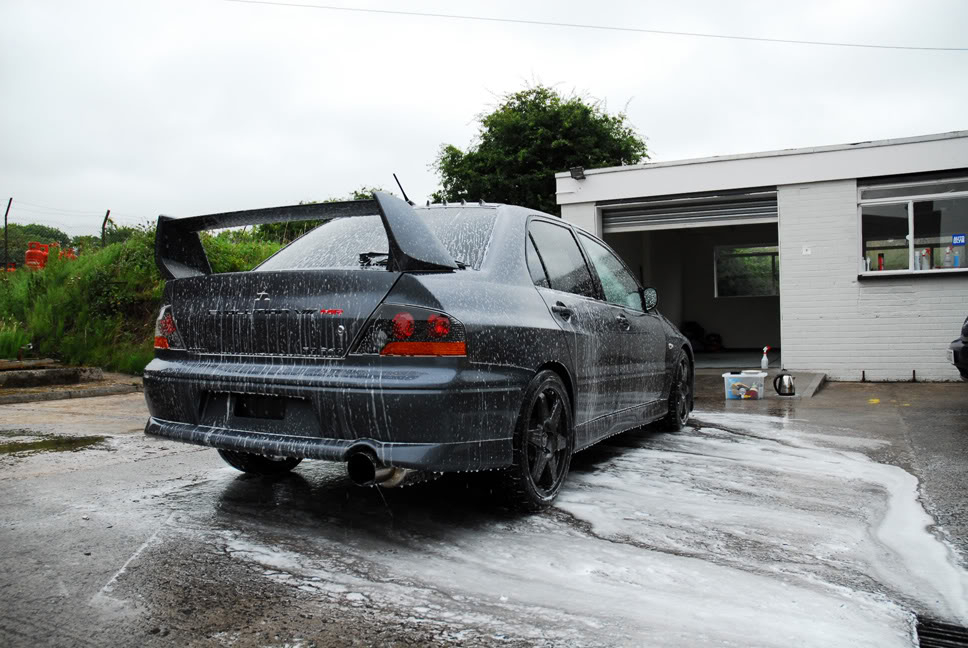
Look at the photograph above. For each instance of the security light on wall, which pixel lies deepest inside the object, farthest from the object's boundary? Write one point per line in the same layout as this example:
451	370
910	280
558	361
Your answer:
578	173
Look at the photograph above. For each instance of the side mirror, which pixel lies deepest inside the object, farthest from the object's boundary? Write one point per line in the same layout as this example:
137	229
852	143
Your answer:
650	298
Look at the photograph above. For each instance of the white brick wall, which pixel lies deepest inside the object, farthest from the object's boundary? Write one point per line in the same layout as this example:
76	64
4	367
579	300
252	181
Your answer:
833	322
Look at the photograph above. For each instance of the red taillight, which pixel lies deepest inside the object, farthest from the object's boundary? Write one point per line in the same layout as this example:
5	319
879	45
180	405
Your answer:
166	331
424	349
167	325
438	325
412	332
403	325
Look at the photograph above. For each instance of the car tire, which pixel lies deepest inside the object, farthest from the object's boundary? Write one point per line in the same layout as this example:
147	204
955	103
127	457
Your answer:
544	441
680	395
259	464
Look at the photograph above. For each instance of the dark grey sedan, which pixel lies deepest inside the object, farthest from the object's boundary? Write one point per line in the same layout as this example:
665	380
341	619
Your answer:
412	341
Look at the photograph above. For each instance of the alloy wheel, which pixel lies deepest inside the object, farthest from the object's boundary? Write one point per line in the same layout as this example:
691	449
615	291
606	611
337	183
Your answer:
547	447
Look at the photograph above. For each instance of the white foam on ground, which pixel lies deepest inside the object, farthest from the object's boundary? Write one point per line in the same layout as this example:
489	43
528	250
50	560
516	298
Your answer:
763	535
773	494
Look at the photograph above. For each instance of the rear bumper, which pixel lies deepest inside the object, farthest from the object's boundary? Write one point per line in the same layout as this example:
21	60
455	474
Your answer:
431	414
438	457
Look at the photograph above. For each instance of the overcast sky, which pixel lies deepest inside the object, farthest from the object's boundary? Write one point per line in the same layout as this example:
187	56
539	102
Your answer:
186	107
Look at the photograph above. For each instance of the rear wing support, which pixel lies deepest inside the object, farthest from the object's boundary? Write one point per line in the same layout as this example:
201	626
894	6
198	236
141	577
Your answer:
413	247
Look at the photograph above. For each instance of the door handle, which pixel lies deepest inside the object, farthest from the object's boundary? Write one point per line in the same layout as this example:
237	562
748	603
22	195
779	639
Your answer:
562	311
623	321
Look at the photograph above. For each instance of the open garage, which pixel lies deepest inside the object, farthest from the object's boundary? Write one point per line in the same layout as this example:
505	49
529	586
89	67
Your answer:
713	258
847	260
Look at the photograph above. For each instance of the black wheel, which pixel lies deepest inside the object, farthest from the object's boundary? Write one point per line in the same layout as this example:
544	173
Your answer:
680	396
543	444
258	464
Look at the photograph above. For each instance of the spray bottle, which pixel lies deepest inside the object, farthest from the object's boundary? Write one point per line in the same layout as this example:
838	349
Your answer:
765	361
948	261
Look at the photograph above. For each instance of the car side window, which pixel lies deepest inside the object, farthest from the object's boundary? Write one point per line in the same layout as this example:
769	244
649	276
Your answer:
619	286
563	261
535	267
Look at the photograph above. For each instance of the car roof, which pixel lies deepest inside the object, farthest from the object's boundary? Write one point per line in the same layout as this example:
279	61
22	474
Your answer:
506	211
503	210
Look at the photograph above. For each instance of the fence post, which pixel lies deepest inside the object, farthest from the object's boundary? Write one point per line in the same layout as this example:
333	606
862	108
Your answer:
6	256
104	225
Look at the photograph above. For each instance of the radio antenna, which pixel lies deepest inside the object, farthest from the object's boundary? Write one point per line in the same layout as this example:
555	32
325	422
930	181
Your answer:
402	191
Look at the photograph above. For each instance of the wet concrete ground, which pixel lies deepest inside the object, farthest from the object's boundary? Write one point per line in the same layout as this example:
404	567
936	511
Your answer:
925	427
770	523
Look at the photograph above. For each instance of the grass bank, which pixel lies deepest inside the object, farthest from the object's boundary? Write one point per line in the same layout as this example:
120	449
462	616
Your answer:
100	309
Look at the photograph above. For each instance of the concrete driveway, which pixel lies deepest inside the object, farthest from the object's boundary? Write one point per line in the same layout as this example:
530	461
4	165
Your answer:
823	522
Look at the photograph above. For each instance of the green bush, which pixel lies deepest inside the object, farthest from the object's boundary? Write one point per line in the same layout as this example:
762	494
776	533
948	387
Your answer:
237	251
12	338
100	310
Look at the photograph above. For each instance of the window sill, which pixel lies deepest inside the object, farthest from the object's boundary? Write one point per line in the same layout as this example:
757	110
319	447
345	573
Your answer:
937	272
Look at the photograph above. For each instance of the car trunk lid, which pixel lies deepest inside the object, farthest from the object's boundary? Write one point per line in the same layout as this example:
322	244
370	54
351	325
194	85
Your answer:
295	313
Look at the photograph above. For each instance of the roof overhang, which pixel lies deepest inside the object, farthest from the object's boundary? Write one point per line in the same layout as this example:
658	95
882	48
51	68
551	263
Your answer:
791	166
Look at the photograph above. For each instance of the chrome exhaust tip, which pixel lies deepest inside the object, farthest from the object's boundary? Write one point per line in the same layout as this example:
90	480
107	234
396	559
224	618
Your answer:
363	469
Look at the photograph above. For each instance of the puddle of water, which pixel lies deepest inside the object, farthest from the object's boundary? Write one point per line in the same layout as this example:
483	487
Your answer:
49	444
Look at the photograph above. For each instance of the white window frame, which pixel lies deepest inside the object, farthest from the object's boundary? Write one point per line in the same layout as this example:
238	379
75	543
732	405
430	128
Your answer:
901	200
776	261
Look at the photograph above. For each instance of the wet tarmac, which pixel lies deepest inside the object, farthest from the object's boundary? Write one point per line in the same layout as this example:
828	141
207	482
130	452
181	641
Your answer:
821	522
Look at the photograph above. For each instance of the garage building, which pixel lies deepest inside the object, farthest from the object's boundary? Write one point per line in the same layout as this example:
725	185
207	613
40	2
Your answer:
850	259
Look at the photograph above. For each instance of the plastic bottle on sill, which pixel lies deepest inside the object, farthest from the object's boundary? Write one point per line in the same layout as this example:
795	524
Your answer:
948	261
765	361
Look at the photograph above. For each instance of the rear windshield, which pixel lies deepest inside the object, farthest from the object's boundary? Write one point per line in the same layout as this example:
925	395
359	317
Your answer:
361	242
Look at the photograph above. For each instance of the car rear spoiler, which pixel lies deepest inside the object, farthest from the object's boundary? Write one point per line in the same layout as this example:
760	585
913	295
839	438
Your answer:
413	247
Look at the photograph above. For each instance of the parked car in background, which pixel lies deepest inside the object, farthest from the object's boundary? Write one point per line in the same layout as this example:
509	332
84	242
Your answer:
957	354
410	341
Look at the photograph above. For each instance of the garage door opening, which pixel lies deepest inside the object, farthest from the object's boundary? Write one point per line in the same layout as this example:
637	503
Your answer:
719	284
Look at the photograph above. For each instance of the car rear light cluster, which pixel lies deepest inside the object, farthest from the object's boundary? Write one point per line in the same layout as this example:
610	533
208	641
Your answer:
166	332
410	331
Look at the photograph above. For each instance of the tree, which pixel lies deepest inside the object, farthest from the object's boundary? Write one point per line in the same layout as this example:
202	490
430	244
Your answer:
530	136
363	193
290	231
116	234
44	234
86	243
